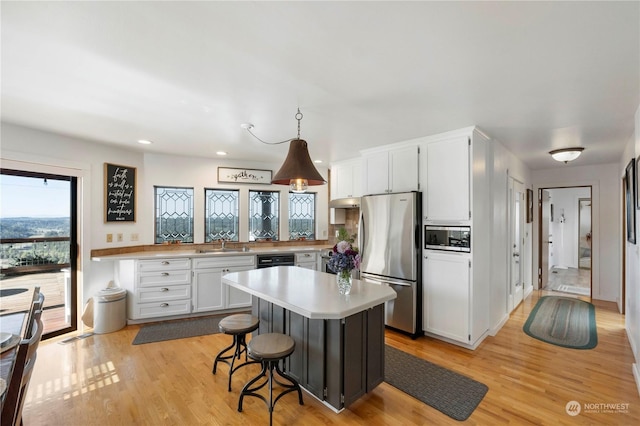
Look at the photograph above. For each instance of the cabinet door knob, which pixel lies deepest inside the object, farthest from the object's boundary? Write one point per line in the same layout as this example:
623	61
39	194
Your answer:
165	262
164	289
165	274
164	305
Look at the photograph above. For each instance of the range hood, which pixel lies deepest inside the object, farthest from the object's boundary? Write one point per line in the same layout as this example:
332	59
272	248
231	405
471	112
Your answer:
345	203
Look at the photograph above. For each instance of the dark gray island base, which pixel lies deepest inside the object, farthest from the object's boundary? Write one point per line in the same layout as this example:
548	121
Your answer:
339	354
336	360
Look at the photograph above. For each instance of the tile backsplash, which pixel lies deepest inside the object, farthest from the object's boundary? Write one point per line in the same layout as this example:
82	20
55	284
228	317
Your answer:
352	216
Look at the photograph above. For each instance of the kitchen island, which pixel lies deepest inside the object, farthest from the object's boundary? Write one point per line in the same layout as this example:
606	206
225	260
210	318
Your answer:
339	353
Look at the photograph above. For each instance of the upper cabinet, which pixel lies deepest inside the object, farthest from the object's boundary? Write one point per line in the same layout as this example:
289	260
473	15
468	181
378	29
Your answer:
346	179
446	171
392	170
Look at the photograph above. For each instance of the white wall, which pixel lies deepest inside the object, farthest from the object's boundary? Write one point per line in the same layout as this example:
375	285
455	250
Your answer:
632	294
605	210
28	149
505	164
200	173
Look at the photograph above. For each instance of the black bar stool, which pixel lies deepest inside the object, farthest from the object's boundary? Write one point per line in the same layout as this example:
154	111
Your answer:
270	349
238	326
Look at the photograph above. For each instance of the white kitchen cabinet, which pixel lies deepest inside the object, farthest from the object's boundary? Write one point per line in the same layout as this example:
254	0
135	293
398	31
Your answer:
346	179
209	294
307	260
446	168
393	170
447	295
156	288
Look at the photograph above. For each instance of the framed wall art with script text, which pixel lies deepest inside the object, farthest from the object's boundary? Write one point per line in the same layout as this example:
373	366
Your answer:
119	193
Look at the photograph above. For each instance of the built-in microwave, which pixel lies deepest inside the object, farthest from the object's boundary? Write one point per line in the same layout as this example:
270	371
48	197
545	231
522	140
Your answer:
450	238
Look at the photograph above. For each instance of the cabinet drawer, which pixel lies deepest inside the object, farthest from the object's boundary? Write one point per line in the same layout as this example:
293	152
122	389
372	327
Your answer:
160	309
163	264
153	279
163	294
223	262
306	257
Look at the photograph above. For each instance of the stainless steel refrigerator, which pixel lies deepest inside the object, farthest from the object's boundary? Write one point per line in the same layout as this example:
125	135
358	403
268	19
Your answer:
390	246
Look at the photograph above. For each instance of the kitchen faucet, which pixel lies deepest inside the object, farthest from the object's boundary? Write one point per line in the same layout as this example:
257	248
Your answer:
223	241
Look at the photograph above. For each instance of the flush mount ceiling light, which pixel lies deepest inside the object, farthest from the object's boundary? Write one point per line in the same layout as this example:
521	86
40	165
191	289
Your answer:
566	154
298	170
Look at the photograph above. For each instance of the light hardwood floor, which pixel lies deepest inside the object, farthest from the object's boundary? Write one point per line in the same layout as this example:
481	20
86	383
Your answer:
104	380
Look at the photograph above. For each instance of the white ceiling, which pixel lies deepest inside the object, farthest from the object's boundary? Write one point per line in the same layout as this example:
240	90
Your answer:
534	76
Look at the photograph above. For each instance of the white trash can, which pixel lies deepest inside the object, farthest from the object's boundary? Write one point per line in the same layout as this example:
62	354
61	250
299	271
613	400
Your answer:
109	310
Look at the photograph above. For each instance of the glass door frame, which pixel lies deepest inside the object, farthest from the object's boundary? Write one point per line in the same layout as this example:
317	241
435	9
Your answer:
73	243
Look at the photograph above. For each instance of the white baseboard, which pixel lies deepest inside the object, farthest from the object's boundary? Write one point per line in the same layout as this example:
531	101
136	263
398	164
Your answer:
457	342
632	343
636	375
496	328
527	291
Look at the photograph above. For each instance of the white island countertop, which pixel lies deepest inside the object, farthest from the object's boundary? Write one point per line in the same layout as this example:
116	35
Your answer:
309	293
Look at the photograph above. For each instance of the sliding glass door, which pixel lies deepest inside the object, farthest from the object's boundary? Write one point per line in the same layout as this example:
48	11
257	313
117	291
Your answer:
38	240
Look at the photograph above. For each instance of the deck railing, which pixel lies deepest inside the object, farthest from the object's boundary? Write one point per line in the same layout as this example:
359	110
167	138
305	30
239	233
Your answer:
29	255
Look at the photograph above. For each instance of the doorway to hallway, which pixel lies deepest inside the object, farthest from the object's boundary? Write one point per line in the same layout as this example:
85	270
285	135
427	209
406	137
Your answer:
566	238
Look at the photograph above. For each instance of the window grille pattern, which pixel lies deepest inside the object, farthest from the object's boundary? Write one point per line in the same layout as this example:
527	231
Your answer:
174	214
302	216
263	215
221	214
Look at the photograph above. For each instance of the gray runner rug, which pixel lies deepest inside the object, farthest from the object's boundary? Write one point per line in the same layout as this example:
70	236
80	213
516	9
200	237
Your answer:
171	330
451	393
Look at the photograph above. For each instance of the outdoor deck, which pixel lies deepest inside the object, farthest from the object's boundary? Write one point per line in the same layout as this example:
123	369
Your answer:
52	284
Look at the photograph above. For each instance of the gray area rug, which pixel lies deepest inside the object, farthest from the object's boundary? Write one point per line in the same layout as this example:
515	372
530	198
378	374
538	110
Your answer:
451	393
171	330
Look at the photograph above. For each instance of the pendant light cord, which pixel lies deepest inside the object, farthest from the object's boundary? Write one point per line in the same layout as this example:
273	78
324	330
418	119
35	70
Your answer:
298	117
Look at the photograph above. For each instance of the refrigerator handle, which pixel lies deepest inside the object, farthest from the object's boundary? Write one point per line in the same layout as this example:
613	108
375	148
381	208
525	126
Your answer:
361	231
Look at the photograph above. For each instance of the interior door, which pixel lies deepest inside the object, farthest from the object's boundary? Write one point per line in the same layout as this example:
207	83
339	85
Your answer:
545	238
516	243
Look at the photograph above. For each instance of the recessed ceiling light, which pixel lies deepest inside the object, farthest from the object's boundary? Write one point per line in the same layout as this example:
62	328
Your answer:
317	161
221	153
144	141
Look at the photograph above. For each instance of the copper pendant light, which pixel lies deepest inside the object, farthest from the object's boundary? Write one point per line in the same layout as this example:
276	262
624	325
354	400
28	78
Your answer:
298	170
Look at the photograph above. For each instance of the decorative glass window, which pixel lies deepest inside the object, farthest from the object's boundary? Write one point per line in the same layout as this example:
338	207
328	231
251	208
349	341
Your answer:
174	214
221	214
263	215
302	216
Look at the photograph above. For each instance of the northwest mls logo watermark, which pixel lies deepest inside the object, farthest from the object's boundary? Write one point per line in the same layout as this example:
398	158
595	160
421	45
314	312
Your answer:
573	408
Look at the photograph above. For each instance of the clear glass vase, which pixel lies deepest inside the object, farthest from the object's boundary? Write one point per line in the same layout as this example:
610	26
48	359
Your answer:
344	281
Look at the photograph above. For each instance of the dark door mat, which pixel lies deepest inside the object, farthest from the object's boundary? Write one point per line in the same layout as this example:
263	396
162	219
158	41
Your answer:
172	330
451	393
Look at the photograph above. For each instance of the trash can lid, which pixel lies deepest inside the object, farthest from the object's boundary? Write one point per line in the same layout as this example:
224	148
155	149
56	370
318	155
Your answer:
110	294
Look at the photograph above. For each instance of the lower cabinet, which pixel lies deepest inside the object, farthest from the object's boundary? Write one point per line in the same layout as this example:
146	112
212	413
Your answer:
209	294
307	260
447	295
338	360
156	288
